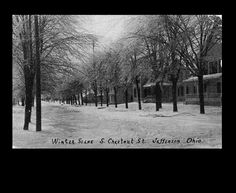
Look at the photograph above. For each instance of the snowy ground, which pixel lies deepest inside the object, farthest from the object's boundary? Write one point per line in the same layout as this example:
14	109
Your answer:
87	126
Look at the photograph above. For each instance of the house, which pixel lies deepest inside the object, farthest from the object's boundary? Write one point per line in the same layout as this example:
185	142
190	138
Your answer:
212	89
120	95
212	80
187	87
166	88
149	92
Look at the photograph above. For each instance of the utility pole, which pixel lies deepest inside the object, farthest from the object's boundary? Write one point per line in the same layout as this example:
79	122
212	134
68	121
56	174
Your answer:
95	82
38	83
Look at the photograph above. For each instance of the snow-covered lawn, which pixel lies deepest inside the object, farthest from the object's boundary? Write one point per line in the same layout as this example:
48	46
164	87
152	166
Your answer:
87	126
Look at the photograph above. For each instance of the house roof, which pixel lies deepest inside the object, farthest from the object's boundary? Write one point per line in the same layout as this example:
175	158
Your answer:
205	77
150	84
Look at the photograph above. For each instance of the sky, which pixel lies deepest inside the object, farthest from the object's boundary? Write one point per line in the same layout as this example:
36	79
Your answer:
108	27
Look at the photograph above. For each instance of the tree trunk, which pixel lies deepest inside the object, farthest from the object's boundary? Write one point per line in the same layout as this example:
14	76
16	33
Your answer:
95	92
160	98
32	71
32	104
75	99
78	99
72	100
157	88
28	97
82	101
115	96
96	99
107	96
86	97
201	95
38	77
101	97
126	98
31	84
27	73
138	91
22	101
174	96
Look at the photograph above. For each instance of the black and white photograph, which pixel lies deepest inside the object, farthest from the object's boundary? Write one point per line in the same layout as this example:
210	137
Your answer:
116	81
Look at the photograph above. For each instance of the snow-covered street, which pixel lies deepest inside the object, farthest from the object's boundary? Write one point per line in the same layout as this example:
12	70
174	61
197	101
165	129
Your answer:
66	126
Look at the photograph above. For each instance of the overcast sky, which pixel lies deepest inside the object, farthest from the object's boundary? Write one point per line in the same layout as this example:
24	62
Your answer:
108	27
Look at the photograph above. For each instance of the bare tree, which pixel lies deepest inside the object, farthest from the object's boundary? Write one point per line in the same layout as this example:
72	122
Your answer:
199	33
22	49
59	42
133	55
38	78
173	65
149	31
126	79
114	69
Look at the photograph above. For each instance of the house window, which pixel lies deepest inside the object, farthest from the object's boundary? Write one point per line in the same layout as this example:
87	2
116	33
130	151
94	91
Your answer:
135	92
187	91
218	87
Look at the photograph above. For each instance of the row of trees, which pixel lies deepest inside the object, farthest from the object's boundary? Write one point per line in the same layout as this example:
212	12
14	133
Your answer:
51	41
174	43
153	47
158	48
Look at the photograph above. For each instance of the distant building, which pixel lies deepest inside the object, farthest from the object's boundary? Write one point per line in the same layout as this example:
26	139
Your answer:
212	89
187	87
149	92
120	95
212	80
